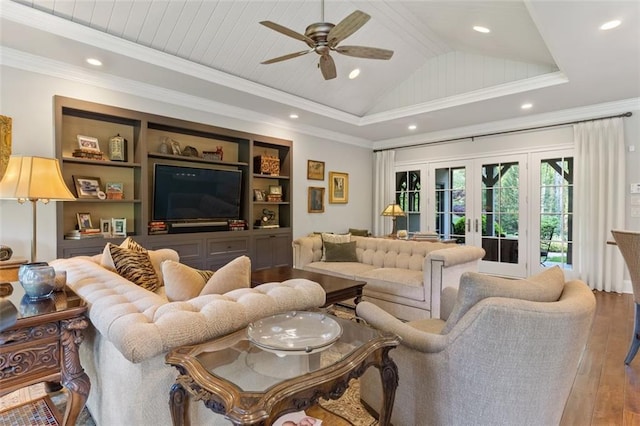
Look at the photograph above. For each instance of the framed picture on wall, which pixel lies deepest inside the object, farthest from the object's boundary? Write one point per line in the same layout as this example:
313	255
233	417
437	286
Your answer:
315	200
315	170
338	187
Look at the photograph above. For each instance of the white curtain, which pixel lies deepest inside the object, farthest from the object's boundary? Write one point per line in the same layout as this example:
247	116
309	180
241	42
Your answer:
383	189
599	202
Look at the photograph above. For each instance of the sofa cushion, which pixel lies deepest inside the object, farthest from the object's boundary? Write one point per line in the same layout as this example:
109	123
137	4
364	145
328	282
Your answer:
340	252
235	274
135	266
333	238
182	282
339	269
544	287
395	281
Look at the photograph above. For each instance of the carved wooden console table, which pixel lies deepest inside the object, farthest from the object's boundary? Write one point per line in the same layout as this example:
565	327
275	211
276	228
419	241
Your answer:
251	386
42	346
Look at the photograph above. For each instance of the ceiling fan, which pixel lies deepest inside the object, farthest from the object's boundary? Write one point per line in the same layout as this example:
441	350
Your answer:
323	37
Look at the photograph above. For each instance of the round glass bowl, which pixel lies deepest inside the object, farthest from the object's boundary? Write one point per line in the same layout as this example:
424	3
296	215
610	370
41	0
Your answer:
37	279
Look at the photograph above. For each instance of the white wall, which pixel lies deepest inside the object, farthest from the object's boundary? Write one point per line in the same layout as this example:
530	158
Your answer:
27	98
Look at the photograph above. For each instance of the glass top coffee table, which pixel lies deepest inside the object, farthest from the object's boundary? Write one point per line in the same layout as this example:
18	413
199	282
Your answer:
249	384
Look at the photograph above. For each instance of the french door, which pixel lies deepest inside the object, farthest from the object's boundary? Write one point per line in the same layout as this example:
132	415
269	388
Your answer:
482	202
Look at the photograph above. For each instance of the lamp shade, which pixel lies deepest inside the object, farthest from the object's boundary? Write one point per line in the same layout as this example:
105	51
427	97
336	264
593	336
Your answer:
392	210
33	178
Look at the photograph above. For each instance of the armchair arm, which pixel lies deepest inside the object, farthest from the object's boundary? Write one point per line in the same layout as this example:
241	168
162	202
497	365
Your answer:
447	301
411	337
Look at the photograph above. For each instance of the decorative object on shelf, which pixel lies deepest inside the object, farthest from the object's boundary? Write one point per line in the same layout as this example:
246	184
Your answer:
394	211
5	252
158	227
258	194
315	200
119	227
266	165
5	143
315	170
102	195
275	194
33	179
267	220
190	151
117	148
84	221
88	144
237	225
164	145
87	187
213	155
37	279
114	190
78	153
175	147
338	187
105	227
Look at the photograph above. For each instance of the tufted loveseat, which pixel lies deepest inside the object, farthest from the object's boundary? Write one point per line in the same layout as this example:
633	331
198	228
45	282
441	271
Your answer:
405	278
132	329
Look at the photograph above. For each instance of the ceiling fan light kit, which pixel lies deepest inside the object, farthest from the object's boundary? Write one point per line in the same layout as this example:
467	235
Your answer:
323	37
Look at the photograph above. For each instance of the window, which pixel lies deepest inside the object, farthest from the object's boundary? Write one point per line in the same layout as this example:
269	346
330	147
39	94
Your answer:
408	197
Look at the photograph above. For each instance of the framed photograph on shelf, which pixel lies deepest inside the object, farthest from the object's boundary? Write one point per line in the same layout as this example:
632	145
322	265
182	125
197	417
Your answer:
119	227
86	186
258	194
105	227
315	170
84	221
275	190
88	143
338	187
114	190
315	200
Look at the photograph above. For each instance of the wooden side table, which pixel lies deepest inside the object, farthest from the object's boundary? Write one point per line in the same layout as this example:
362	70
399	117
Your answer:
9	268
42	346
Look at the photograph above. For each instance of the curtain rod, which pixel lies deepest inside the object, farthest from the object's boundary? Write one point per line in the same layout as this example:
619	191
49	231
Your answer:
624	115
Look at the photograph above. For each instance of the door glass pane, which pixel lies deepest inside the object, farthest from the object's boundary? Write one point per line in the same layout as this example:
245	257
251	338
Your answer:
556	212
450	206
500	211
408	198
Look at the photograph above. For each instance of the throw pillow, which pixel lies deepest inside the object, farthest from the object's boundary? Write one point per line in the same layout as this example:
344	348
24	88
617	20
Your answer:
333	238
544	287
182	282
341	252
235	274
134	266
359	232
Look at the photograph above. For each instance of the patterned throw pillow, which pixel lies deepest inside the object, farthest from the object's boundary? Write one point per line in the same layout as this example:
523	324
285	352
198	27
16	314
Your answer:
182	282
134	266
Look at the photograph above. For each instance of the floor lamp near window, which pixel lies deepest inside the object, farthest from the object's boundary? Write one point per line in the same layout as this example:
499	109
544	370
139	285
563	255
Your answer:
34	179
395	211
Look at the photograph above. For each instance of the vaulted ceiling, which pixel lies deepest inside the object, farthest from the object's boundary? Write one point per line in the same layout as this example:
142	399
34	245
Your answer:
443	74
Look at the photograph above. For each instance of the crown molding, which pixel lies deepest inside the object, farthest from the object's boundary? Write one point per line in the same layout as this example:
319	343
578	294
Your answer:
45	66
515	124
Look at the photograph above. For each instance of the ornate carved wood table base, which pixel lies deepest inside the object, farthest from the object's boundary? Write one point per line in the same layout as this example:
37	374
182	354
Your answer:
42	346
252	386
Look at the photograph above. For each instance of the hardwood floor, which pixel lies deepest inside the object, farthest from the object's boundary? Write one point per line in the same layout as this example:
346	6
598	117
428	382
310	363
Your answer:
605	390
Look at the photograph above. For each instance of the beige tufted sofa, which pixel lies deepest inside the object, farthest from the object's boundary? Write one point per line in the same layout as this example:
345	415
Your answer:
405	278
132	329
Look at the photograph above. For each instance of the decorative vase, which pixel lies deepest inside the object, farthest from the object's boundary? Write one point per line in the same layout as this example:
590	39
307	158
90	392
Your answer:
37	279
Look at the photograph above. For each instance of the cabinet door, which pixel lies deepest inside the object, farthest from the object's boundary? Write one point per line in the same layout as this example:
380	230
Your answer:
271	250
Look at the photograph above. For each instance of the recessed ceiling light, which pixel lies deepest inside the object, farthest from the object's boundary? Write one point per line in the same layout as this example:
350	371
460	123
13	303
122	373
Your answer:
480	29
610	25
294	116
353	74
412	127
526	106
95	62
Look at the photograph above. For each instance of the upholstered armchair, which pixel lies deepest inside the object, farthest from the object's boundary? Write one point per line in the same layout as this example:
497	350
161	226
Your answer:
507	353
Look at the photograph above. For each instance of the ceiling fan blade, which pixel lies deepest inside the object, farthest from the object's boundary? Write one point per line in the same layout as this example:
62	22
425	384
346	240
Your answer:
285	57
327	67
286	31
365	52
347	26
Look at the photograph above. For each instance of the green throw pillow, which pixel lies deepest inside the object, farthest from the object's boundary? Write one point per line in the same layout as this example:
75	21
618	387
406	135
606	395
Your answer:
359	232
341	252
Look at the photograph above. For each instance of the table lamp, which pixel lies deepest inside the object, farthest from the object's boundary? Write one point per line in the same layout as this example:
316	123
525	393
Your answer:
33	179
393	210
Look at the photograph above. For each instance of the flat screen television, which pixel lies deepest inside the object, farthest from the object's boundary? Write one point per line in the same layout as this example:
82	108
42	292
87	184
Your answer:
195	195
